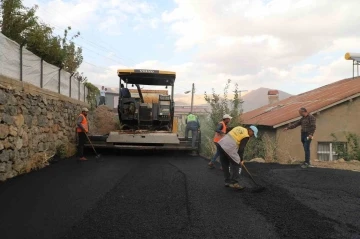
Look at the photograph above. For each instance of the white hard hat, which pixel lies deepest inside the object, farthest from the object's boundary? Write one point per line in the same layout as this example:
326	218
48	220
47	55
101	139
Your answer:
85	109
227	116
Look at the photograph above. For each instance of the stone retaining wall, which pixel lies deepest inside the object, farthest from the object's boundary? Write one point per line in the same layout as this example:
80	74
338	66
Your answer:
33	123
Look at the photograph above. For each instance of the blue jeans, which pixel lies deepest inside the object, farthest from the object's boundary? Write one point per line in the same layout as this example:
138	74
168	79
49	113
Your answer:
306	144
216	155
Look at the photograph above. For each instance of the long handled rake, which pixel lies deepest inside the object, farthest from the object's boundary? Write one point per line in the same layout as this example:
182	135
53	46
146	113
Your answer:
98	156
258	187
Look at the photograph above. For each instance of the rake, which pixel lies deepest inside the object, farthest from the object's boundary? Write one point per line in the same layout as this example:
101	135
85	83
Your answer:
258	187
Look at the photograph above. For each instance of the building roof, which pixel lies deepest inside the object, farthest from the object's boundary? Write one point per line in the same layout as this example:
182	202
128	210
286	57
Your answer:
286	111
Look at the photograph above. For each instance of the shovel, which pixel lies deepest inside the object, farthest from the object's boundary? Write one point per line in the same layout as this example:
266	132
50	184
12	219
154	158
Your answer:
98	156
258	187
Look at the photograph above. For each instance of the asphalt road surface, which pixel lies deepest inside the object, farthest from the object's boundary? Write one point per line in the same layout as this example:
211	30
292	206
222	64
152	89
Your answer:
177	196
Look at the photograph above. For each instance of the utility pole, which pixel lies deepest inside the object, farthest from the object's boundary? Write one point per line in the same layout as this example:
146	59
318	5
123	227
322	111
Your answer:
192	96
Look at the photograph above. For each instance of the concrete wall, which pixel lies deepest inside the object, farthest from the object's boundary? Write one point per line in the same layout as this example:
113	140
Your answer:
338	120
33	122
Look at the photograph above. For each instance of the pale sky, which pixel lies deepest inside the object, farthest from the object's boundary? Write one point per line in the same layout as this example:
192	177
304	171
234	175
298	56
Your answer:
290	45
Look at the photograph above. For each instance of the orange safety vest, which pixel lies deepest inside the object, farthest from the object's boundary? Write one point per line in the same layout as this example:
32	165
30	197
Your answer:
218	136
84	123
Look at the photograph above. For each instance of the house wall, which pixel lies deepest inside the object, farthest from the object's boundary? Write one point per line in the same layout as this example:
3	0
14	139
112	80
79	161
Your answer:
338	120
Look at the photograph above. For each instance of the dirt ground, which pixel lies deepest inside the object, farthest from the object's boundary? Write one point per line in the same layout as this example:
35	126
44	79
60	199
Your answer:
104	121
352	165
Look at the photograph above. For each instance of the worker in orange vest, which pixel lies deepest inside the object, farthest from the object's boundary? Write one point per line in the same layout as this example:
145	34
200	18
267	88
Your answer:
82	128
219	133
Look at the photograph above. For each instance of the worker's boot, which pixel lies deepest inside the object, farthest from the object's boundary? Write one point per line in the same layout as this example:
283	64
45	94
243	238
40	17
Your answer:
82	159
211	165
236	186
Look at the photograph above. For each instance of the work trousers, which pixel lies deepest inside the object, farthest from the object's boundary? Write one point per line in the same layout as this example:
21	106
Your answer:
217	153
306	144
194	134
102	100
81	142
233	175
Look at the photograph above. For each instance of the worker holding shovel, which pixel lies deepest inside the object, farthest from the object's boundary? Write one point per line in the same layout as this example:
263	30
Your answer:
232	147
82	129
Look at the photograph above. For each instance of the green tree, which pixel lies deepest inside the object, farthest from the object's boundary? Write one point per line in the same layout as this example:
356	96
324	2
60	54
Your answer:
223	105
93	92
17	20
219	105
21	25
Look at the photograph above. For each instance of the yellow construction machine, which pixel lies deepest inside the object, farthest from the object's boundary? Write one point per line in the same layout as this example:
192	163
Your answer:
146	125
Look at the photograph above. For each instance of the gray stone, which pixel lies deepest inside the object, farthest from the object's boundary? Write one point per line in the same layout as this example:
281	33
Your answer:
3	97
14	154
4	131
8	166
18	165
7	119
35	110
27	104
24	110
11	110
12	100
44	111
24	153
41	147
25	139
18	143
42	121
1	146
5	155
34	102
34	122
44	100
41	105
2	167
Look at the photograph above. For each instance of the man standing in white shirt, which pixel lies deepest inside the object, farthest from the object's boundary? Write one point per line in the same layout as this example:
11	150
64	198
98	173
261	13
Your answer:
102	96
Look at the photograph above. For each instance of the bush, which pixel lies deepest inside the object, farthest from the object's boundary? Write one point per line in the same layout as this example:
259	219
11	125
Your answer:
61	151
219	105
351	151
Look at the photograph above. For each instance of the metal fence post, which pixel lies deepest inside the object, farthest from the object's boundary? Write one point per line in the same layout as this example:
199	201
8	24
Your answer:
42	73
21	60
70	83
79	90
59	79
84	93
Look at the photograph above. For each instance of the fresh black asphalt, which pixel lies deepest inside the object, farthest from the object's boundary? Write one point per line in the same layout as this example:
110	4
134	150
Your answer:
177	196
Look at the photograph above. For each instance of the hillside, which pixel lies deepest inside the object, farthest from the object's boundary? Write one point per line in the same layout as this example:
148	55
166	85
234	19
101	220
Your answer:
252	100
258	98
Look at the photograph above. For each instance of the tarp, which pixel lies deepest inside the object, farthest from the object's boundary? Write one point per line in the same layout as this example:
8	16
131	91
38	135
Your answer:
9	58
64	83
31	66
74	88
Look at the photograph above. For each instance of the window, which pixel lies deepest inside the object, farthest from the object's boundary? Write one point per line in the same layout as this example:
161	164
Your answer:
329	151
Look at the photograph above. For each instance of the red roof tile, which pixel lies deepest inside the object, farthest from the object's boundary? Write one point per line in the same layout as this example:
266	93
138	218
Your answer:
314	100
